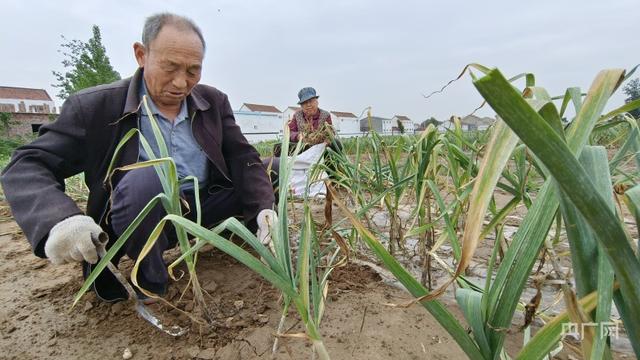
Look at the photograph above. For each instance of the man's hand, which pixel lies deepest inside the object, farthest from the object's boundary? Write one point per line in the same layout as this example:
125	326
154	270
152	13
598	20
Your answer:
72	239
267	219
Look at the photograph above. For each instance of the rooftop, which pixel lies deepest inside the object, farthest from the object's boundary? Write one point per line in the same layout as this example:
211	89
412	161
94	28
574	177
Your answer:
10	92
262	108
343	114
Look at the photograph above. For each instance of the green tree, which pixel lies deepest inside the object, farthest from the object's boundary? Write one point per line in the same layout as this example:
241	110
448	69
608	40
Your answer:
87	65
400	127
431	120
632	90
6	120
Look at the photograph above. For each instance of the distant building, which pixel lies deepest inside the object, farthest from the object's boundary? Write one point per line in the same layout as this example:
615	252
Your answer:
25	100
382	126
407	124
474	123
29	108
346	124
467	123
259	122
259	108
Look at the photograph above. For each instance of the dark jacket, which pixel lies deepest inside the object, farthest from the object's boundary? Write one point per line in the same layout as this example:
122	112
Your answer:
84	139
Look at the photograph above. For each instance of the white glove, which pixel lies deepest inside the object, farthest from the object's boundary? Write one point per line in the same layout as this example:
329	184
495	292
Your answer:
267	219
71	240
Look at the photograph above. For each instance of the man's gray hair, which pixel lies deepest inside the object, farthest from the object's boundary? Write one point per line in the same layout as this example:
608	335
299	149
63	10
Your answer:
155	23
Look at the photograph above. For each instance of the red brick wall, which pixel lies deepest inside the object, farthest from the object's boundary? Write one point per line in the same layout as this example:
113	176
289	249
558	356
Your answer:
21	122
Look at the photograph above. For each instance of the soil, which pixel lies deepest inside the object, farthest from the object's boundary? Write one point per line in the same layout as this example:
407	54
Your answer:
37	321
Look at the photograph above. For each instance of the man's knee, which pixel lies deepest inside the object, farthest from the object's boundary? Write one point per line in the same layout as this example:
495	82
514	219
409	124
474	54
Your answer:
132	193
140	183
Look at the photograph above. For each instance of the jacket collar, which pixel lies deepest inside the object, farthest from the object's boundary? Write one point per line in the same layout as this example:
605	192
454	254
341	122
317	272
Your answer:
195	100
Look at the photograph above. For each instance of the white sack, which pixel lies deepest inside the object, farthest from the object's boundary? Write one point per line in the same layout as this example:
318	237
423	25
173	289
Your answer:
302	166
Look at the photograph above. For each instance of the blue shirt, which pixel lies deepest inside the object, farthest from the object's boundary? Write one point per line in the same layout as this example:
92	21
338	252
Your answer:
190	159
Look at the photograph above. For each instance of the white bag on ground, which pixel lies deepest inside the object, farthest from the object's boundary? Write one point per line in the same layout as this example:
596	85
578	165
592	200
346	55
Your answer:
302	167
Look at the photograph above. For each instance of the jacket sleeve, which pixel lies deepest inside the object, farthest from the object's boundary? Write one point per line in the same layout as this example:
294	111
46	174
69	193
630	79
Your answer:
293	130
33	181
248	175
330	122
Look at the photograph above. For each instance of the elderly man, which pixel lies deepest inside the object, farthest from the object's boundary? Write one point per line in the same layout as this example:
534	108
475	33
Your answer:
199	129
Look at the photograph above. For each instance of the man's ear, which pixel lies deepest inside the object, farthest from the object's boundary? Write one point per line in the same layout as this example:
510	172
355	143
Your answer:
140	53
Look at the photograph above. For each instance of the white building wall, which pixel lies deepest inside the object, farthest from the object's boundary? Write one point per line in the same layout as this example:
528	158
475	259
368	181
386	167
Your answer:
387	127
259	126
346	127
408	126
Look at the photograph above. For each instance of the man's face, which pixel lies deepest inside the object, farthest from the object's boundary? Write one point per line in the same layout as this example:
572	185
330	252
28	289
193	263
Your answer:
310	107
172	65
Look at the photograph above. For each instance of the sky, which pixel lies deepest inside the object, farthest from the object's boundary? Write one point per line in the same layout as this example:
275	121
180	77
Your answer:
355	53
